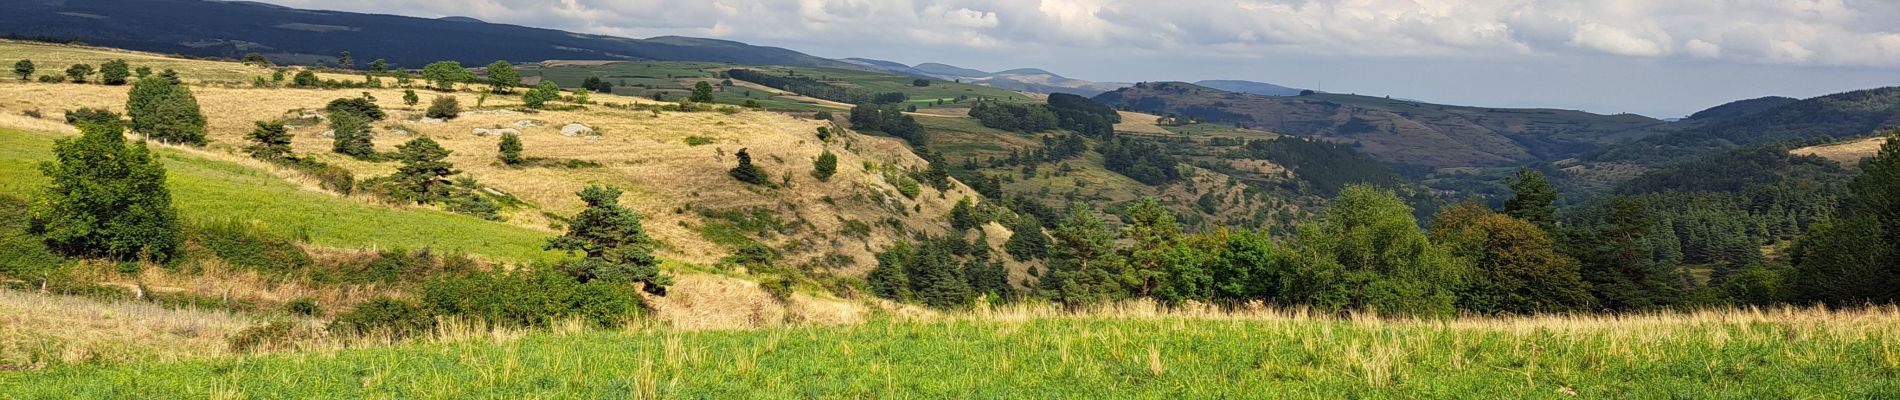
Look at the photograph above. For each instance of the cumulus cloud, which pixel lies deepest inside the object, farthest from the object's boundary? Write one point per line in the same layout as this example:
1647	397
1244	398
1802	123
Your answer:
1792	32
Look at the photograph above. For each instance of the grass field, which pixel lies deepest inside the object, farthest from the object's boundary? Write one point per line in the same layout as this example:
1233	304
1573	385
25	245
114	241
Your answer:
208	190
1121	354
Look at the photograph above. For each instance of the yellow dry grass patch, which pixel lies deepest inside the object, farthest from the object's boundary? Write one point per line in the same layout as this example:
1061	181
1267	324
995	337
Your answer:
1140	123
1847	153
37	330
52	59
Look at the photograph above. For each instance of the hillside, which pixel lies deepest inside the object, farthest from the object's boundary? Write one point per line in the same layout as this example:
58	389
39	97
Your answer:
1396	131
1030	80
1250	87
292	36
1739	109
1842	115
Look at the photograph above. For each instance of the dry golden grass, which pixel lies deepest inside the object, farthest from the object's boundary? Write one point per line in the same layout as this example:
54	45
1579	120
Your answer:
52	59
38	330
1847	153
1140	123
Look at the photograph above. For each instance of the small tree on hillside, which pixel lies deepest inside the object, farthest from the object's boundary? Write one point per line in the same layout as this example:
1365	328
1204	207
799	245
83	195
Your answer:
702	93
114	72
409	98
1027	242
445	74
360	106
345	61
748	173
306	79
502	77
444	107
165	110
269	141
424	173
352	136
106	198
144	71
78	73
511	149
24	69
541	94
256	59
826	166
616	247
379	66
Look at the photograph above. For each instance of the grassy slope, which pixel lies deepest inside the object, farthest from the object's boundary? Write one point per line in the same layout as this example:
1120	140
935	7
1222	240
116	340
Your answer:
206	190
675	79
1719	355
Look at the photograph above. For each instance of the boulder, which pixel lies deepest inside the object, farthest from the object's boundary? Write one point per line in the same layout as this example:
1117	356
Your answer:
495	131
577	130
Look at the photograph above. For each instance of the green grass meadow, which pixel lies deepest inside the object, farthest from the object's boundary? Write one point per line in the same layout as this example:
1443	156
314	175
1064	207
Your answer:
1052	357
208	191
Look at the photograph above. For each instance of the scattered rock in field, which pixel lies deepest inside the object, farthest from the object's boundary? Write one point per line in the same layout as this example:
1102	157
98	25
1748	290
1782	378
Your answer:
577	130
495	131
530	123
430	121
493	112
329	133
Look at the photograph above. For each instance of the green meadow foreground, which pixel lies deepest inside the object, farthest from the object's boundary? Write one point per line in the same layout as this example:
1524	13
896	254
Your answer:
1027	352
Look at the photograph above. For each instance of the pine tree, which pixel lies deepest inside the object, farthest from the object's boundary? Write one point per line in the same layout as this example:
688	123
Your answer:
345	61
511	149
1153	232
825	166
270	141
1855	258
106	198
963	216
352	136
424	173
748	173
1534	199
1083	264
379	66
888	279
616	248
1027	242
165	110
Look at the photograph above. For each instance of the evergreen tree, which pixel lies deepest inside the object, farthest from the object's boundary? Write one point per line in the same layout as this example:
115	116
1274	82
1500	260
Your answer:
269	141
1153	233
1083	264
114	72
424	173
963	216
409	97
937	279
825	166
748	173
106	198
352	136
1534	199
345	61
165	110
617	248
511	149
362	107
503	77
702	93
1855	258
1027	242
379	66
1617	243
24	69
888	279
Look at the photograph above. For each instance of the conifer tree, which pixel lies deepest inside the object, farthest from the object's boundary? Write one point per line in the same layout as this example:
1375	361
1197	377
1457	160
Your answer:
616	248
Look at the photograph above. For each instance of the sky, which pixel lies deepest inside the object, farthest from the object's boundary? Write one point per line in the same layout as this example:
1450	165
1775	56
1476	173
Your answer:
1662	58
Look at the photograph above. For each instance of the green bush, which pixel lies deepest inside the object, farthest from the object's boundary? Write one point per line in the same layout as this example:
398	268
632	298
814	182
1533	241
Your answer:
383	315
165	110
356	105
240	246
444	107
267	336
107	198
474	204
92	115
303	306
533	297
826	166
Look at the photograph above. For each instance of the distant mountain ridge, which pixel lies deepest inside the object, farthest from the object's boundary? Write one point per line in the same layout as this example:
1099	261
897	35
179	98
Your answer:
287	35
1031	80
1250	87
1398	131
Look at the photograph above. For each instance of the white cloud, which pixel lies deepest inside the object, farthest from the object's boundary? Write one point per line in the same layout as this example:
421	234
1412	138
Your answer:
1792	32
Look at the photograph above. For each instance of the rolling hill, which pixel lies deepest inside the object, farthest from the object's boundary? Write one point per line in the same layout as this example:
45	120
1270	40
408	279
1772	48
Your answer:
1250	87
294	36
1836	116
1031	80
1397	131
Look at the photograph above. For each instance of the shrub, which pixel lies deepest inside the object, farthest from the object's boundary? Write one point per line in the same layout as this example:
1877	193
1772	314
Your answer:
698	140
748	173
510	149
534	297
305	79
444	107
271	335
165	110
114	72
826	166
352	136
356	105
106	198
303	306
78	72
269	141
539	97
470	203
91	115
52	79
24	69
822	115
409	97
241	246
384	315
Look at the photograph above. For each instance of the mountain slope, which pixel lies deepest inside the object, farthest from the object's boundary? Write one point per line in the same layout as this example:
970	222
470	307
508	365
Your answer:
1250	87
1842	115
1398	131
232	29
1739	109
